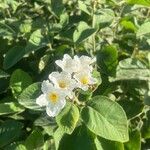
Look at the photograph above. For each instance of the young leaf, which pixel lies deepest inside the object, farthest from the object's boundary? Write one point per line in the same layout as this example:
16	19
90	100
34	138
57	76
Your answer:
68	118
19	81
143	29
106	118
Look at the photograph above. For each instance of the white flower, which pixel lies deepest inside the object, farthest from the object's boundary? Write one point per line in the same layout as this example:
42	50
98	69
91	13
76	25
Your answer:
67	64
84	63
64	82
75	65
85	79
52	97
85	60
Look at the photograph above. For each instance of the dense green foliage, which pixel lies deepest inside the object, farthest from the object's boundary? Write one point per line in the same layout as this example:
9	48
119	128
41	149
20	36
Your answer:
113	116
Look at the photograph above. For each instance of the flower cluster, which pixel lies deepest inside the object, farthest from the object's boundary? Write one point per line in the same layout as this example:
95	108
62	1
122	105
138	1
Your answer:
76	73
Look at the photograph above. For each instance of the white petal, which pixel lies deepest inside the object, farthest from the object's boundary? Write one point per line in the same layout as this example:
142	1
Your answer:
46	86
53	110
84	87
59	63
41	100
87	60
93	80
66	56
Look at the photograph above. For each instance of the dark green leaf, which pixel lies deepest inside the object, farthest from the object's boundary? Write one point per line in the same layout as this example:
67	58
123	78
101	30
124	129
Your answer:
35	140
9	131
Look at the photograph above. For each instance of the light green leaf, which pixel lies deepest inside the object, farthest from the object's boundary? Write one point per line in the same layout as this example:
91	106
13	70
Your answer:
139	2
35	140
58	135
19	81
106	118
9	131
82	32
68	118
143	29
128	25
28	97
131	69
10	108
36	41
85	8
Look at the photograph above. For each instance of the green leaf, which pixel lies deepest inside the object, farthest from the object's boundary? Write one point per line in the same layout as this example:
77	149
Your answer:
9	131
82	32
146	127
134	141
132	108
49	145
139	2
15	146
128	25
106	118
68	118
103	17
131	69
143	29
107	59
58	135
85	8
81	139
35	140
10	108
28	97
36	41
57	7
6	31
13	56
103	144
19	81
3	74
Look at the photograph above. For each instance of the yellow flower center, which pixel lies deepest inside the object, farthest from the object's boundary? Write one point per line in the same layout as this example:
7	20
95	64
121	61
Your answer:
62	84
53	97
84	80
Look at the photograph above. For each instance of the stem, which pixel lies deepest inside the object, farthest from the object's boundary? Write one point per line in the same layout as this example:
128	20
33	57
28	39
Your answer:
93	25
135	51
78	102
